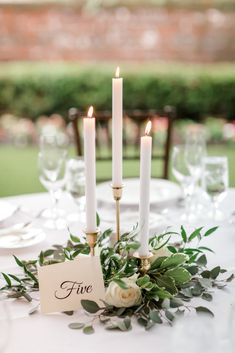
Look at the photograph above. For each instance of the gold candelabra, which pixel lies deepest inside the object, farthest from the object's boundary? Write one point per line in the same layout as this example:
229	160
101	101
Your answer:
91	238
117	195
145	263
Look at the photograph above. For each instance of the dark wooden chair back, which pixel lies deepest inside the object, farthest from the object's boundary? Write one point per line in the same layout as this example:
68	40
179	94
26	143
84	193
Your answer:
134	122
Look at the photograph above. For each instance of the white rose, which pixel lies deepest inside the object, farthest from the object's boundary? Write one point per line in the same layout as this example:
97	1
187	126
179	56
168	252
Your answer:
123	298
160	253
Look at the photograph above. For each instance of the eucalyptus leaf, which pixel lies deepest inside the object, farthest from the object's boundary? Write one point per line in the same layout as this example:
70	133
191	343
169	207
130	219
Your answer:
207	296
176	303
204	310
143	322
90	306
149	325
76	325
68	312
187	292
88	330
197	290
205	282
154	316
193	270
230	278
202	261
206	274
48	252
169	315
215	272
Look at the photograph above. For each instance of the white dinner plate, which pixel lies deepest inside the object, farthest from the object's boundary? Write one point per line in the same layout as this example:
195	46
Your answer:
162	192
6	210
30	237
130	218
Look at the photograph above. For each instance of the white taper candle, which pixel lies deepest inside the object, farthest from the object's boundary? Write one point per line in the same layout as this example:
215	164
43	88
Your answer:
145	178
117	117
90	170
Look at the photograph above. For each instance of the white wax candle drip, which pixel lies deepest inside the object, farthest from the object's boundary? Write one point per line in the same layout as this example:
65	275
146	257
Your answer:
117	117
145	178
90	171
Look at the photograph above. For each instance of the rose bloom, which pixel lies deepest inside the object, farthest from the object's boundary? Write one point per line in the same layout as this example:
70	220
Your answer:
160	253
124	298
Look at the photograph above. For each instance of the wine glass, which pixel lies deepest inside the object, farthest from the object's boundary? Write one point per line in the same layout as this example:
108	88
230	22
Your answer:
4	325
182	174
215	183
195	151
51	163
75	185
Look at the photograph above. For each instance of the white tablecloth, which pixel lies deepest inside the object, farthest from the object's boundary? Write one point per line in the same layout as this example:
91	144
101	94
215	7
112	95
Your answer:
50	333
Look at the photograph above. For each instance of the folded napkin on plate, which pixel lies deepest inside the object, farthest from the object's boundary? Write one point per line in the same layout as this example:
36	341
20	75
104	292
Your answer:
16	229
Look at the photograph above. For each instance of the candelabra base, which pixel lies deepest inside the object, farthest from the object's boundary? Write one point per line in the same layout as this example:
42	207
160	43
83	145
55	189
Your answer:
145	264
117	195
91	238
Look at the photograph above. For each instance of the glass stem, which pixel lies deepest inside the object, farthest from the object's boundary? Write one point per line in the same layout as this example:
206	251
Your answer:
214	209
54	204
187	206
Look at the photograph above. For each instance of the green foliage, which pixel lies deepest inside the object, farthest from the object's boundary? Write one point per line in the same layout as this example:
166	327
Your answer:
33	91
167	287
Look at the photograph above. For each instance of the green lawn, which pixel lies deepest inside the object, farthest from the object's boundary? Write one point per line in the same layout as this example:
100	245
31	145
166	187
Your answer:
19	175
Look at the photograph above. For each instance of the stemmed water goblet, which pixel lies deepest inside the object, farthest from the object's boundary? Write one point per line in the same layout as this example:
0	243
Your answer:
215	183
75	186
195	151
182	174
51	163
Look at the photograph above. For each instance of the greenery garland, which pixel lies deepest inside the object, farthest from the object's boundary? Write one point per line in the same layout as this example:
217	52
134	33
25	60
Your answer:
178	273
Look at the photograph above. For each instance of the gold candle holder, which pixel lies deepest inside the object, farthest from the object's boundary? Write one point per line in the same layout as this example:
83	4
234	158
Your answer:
117	195
91	238
144	262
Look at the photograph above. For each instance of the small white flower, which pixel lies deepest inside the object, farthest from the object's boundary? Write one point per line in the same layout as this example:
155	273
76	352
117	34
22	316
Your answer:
124	298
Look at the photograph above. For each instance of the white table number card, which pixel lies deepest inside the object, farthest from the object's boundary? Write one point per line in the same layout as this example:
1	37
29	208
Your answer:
63	285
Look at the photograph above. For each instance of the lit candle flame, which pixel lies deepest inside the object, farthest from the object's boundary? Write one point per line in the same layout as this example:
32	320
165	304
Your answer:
90	112
117	74
148	128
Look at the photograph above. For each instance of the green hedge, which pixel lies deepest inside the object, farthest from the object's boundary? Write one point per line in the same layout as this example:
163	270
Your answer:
31	90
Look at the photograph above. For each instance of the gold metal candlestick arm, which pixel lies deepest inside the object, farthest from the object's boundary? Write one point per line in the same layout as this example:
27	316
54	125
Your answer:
145	263
91	238
117	195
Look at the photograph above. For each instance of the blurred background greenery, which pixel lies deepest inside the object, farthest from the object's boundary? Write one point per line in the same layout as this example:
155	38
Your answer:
44	71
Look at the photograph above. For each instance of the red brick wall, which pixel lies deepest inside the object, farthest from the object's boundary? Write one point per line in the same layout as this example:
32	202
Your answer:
60	33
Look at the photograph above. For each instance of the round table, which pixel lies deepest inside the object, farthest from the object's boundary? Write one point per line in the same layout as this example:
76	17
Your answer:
50	333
